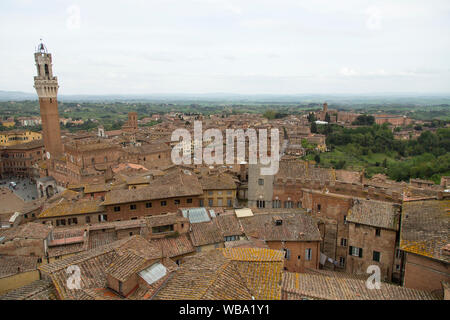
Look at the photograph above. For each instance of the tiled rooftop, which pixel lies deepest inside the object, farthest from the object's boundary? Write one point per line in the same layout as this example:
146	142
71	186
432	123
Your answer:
29	230
375	213
12	265
204	233
297	286
174	246
69	208
94	263
293	227
37	290
220	181
165	219
174	184
425	228
211	275
229	225
125	266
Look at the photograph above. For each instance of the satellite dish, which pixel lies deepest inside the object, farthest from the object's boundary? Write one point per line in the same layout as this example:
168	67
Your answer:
48	155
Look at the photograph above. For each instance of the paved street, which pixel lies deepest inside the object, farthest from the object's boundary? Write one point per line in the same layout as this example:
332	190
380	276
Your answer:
24	189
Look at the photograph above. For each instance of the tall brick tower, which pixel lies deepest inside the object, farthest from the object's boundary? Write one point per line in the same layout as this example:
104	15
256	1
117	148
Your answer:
132	120
132	124
46	86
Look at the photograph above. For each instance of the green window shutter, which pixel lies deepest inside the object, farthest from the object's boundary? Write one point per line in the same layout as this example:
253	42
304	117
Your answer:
350	249
360	252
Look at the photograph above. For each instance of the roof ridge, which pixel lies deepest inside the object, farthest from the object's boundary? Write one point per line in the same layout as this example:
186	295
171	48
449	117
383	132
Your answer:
83	256
219	271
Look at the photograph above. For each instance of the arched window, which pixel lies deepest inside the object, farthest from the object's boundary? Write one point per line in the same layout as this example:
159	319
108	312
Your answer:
47	72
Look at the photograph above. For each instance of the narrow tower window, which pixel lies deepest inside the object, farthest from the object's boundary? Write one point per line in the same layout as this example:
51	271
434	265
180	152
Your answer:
47	73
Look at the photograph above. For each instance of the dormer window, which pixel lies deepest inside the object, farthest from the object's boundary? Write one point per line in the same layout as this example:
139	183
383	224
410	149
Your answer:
278	221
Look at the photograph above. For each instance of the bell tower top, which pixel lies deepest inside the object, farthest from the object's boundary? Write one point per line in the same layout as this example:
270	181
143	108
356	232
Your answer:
45	83
41	48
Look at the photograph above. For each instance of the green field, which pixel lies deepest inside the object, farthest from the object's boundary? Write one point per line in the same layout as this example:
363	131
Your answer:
372	163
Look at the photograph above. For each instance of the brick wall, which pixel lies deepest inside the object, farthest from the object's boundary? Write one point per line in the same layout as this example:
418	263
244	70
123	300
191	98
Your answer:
141	210
424	273
362	236
297	254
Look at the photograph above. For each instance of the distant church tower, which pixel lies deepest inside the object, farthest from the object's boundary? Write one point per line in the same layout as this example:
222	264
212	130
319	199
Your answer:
46	86
132	120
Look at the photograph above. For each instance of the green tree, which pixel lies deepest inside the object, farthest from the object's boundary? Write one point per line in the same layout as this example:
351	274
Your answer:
311	117
269	114
364	120
317	158
313	127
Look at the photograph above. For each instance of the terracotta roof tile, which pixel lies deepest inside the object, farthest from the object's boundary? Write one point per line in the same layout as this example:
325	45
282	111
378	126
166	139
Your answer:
219	274
204	233
220	181
165	219
12	265
425	228
375	213
37	290
174	246
93	263
229	225
171	185
297	286
29	230
68	208
293	227
125	266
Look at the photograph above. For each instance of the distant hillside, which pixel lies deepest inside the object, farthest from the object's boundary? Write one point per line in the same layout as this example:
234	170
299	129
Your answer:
341	99
16	96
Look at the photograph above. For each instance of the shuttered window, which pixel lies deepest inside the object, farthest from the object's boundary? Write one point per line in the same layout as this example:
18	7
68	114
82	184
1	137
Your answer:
355	251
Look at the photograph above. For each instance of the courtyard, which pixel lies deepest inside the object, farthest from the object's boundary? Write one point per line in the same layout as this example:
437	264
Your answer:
25	188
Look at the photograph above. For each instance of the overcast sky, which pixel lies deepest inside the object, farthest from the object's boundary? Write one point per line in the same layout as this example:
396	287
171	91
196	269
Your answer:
243	46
